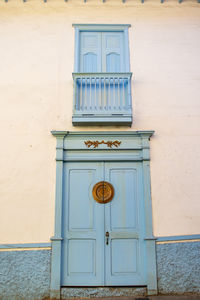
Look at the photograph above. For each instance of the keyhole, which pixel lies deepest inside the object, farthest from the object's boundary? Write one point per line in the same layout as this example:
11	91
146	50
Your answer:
107	237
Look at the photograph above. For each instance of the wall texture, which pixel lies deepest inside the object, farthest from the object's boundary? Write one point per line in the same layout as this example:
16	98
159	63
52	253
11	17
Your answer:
36	91
25	275
178	267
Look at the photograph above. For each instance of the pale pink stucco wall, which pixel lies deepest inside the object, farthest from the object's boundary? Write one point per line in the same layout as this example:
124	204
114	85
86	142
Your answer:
36	62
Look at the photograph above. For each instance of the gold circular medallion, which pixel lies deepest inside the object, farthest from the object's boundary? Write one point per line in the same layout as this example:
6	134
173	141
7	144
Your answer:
103	192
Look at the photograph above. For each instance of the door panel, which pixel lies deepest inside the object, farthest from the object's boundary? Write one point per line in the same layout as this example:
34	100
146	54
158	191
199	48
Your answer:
85	220
123	220
112	52
127	262
123	212
81	258
83	226
90	52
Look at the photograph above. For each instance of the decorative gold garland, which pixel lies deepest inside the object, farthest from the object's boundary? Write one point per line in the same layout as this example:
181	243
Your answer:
97	143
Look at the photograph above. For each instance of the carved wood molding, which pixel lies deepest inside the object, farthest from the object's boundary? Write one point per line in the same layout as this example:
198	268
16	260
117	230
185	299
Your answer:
109	144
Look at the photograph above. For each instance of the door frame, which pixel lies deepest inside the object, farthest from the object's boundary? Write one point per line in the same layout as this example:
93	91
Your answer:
112	146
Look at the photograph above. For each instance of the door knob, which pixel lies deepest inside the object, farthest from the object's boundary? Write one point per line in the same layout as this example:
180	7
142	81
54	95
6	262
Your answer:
107	237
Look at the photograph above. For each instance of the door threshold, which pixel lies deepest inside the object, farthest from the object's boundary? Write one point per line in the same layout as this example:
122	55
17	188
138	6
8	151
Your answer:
102	291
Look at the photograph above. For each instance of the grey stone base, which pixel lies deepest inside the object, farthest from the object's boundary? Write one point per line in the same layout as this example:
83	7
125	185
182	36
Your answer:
178	267
67	292
25	275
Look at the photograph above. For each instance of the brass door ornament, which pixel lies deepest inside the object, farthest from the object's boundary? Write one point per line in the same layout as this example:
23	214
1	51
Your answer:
109	144
103	192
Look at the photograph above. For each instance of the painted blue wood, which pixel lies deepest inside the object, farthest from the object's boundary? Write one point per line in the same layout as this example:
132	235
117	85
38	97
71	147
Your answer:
74	149
102	95
57	238
96	120
90	52
101	51
83	229
83	226
77	50
113	62
25	245
124	220
130	140
178	238
101	27
112	50
101	48
149	238
107	156
102	98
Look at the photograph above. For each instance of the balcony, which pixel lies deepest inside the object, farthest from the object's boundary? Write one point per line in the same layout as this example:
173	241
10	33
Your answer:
102	99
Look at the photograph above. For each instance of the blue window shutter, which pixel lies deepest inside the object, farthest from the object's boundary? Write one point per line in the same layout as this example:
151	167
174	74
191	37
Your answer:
113	52
90	52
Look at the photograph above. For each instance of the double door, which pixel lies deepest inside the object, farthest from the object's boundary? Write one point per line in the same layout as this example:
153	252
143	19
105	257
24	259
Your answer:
103	243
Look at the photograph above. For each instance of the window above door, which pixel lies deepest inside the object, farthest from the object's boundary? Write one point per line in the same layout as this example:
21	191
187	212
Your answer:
102	78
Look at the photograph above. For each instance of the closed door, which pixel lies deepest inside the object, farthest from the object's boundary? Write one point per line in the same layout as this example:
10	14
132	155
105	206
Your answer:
102	52
103	244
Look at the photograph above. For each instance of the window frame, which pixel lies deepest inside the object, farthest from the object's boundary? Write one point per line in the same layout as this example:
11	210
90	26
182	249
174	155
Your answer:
101	28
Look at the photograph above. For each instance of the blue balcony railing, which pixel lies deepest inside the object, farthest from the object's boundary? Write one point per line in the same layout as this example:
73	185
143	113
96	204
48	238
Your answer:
102	98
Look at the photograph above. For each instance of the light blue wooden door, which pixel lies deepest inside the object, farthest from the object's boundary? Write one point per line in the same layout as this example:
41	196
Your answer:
83	226
88	257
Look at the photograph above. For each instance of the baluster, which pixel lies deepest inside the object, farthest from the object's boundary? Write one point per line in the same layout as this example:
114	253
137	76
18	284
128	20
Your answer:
75	98
129	93
81	95
119	106
95	92
85	102
109	92
106	98
114	94
113	97
124	103
90	94
98	91
104	93
101	104
103	101
81	107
